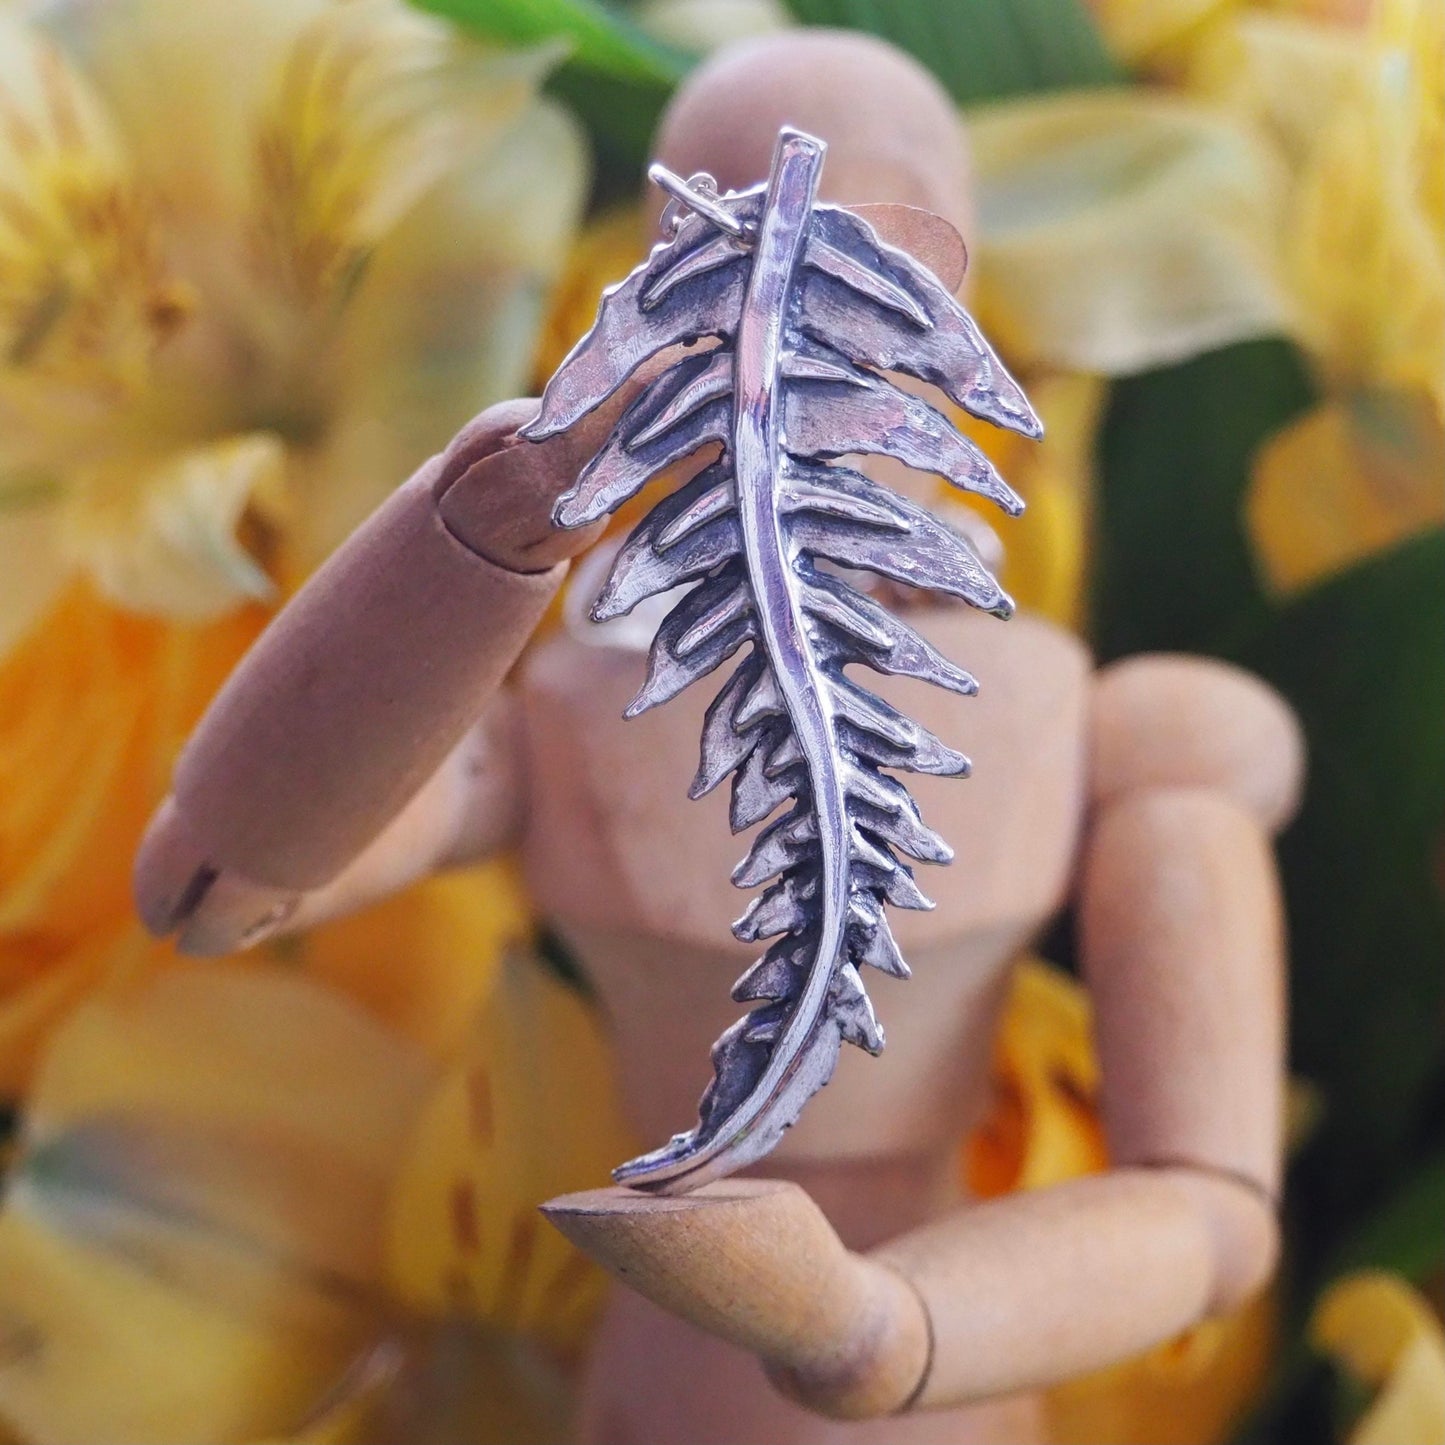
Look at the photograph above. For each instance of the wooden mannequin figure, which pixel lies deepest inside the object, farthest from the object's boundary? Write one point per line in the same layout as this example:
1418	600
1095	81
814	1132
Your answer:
367	739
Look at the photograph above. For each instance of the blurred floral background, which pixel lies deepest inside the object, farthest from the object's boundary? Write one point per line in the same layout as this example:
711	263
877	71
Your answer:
259	257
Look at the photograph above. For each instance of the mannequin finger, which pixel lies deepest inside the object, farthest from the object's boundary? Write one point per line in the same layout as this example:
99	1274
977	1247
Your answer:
468	810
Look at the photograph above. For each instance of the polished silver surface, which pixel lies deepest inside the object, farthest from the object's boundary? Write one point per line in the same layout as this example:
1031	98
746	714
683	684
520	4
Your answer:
803	307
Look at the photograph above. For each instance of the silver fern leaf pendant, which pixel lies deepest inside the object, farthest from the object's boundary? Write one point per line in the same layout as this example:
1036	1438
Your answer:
806	307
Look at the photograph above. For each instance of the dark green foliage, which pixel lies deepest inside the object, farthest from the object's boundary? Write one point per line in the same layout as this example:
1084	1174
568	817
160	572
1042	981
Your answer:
980	49
616	79
1172	567
1362	658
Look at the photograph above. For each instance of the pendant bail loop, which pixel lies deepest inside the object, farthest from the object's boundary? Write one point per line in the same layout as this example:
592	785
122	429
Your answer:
697	193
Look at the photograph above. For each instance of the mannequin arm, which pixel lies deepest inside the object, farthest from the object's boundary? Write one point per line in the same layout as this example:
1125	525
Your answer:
362	686
1181	941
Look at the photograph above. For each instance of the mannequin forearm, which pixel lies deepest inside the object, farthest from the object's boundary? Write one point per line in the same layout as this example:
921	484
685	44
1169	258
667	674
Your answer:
1035	1288
432	628
357	692
1182	947
1181	942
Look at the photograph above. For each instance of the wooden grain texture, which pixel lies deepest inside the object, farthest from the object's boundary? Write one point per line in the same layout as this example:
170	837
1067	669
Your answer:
756	1263
354	695
1168	719
1182	946
1035	1288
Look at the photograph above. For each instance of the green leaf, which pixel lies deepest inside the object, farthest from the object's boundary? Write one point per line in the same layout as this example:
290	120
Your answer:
620	117
1407	1234
982	49
616	78
1362	659
1403	1234
1172	565
602	38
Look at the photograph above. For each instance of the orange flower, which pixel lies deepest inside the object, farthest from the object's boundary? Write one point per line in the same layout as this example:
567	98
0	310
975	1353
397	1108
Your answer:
94	705
226	238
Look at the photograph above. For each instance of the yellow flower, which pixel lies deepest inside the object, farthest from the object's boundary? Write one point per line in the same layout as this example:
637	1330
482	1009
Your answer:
1042	559
1350	97
1044	1129
425	961
1385	1334
1363	468
1350	477
1044	1125
1287	176
190	1239
703	25
526	1112
256	261
605	251
243	1209
1122	229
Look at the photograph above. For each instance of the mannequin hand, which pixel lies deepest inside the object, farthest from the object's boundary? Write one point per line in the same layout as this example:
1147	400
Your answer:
755	1262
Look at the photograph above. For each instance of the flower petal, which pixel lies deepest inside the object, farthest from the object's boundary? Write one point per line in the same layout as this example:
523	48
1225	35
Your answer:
86	298
446	320
153	61
1347	479
1121	230
372	106
528	1112
164	540
1043	565
191	1238
237	1044
1369	261
703	25
32	570
94	705
1139	30
96	1347
1047	1128
426	961
1358	115
1377	1327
